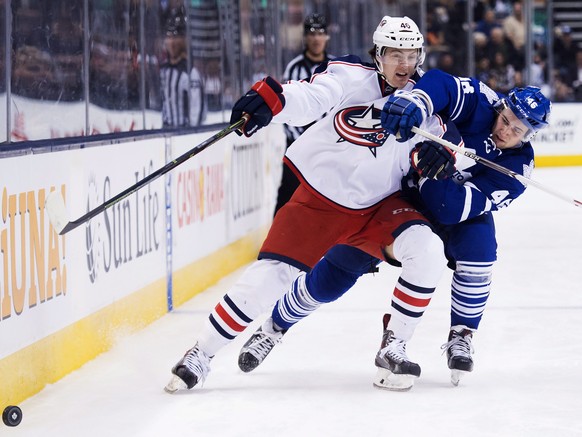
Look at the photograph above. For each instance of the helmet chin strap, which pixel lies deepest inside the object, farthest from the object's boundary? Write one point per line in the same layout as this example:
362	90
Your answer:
389	89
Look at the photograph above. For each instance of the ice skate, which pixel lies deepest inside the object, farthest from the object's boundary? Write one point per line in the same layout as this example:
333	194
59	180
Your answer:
189	371
395	371
459	349
258	346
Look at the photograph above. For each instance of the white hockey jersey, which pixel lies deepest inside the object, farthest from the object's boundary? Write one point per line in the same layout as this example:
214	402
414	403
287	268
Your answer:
346	157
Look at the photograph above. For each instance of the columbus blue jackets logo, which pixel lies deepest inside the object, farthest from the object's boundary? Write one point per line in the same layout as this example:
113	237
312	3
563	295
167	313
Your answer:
360	125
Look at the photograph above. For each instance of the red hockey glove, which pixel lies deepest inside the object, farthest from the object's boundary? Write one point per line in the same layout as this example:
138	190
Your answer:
432	160
261	103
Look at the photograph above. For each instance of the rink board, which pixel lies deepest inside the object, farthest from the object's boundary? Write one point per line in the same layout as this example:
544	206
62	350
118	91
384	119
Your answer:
560	144
65	299
27	371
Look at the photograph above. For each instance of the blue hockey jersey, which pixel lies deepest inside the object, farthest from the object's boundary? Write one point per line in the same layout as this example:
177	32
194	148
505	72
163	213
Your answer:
474	189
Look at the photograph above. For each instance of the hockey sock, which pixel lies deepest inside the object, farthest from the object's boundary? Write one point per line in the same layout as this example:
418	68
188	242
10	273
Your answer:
470	289
294	306
421	253
409	302
225	322
255	292
325	283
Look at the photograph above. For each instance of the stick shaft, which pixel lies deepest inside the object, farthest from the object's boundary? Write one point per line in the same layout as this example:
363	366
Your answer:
494	166
152	176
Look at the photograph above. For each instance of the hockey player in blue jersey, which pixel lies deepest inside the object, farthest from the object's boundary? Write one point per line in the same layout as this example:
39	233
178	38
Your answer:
498	128
458	200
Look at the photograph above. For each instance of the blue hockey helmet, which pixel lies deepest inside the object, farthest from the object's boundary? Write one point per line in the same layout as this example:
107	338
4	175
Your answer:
531	107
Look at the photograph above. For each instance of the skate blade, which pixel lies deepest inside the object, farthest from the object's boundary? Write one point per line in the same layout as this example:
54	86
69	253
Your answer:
387	380
174	385
456	376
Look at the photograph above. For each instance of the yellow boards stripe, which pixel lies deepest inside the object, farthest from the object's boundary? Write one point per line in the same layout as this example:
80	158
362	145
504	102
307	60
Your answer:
29	370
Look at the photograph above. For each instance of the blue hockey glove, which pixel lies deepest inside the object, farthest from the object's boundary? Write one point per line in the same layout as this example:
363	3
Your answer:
433	161
401	113
261	103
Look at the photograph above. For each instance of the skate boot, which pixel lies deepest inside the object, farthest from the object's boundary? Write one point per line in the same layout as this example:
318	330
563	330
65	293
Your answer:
459	349
189	371
395	371
259	345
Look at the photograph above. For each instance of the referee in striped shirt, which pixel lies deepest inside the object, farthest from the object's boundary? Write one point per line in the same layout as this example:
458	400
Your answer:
302	67
183	99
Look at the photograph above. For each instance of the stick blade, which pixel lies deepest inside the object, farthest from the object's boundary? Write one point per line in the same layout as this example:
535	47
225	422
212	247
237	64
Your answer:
56	210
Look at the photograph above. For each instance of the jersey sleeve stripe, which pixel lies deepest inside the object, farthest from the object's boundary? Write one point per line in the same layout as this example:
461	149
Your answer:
427	101
459	102
467	204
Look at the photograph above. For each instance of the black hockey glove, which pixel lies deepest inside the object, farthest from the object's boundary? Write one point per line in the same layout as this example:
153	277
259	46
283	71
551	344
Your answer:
409	187
401	111
261	103
432	160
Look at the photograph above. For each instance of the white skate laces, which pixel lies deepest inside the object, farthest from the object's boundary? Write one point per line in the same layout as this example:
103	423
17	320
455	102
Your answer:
259	346
263	343
395	350
459	349
459	344
198	363
191	370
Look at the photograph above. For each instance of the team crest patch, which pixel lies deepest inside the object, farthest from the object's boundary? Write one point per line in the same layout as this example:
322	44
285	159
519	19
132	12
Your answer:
491	95
528	170
360	125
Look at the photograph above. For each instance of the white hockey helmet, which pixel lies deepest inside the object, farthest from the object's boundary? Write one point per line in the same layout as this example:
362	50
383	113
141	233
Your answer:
398	33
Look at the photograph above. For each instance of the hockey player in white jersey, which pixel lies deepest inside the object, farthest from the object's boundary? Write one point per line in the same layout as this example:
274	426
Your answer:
350	172
497	128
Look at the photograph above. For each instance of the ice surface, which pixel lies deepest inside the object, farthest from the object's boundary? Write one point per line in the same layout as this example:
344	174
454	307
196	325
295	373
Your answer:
528	362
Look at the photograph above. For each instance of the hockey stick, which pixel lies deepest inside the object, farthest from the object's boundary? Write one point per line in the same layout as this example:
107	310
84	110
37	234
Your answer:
499	168
55	204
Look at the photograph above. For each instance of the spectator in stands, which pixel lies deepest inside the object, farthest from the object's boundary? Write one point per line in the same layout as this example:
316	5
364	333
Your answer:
447	63
514	27
213	85
435	36
480	43
514	31
488	23
483	70
563	92
502	74
34	74
498	42
479	10
538	74
565	54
